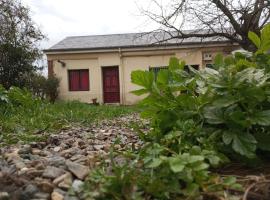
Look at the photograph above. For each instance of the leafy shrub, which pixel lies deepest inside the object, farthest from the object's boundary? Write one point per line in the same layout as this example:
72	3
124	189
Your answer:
51	88
42	87
226	107
199	119
35	83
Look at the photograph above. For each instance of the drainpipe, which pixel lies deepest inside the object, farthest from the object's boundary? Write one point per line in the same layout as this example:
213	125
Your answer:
122	76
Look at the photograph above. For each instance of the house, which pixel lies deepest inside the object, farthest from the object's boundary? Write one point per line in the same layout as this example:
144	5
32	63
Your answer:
99	66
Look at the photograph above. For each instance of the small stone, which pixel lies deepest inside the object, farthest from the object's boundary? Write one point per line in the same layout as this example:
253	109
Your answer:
36	151
30	190
41	195
26	149
46	186
60	191
107	134
70	152
56	161
40	166
4	196
45	153
57	196
80	171
76	157
59	179
56	149
98	147
66	183
19	164
34	172
77	185
52	172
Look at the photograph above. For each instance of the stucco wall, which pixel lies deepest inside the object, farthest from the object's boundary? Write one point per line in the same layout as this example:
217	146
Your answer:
94	74
127	62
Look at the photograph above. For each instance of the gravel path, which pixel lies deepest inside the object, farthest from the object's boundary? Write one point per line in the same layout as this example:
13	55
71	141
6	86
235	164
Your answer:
56	168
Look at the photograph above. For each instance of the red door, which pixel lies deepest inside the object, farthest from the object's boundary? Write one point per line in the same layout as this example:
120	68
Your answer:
111	89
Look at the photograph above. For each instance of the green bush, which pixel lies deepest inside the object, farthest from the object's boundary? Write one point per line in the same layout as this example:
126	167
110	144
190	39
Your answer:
35	83
42	87
199	119
51	88
226	107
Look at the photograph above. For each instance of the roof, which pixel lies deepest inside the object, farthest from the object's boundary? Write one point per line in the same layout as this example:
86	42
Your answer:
128	40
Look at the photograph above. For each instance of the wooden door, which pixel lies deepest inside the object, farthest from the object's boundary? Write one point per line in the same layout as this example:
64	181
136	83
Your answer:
111	89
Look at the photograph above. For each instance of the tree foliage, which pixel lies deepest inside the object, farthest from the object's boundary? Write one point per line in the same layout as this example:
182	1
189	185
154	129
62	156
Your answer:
211	18
18	42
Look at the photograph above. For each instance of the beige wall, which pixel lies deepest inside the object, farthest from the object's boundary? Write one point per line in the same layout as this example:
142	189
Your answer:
127	61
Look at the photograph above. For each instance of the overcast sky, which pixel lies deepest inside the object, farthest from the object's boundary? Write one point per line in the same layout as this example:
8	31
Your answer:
60	18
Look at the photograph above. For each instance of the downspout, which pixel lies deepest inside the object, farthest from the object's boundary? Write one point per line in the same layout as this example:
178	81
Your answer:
122	76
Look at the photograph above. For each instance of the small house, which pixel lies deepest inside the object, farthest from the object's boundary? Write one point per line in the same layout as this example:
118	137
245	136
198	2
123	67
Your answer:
99	66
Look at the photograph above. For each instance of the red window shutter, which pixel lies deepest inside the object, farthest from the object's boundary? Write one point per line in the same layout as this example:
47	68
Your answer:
84	80
78	80
74	80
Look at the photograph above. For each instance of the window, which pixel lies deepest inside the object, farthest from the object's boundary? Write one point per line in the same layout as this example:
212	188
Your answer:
156	70
78	80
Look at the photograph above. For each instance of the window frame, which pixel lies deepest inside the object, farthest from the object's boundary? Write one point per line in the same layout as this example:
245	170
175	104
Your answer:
80	79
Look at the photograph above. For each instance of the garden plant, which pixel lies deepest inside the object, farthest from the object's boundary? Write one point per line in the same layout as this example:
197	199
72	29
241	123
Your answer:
200	121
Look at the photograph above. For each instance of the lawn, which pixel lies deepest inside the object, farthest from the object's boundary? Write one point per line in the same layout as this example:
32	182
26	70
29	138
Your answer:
33	121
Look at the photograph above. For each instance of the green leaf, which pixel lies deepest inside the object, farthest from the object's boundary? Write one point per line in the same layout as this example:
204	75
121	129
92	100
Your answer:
224	101
245	63
254	38
229	180
263	140
195	158
174	63
229	60
154	163
218	61
213	115
176	164
140	92
163	77
143	78
199	166
265	39
214	160
242	143
261	118
227	137
265	34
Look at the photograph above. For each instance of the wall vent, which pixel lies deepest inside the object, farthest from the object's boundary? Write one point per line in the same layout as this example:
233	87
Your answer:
207	56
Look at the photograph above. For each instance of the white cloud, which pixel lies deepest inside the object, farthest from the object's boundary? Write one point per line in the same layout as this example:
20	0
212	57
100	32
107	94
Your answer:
61	18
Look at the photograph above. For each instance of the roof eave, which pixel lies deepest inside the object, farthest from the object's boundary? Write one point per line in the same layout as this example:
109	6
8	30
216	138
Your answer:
116	48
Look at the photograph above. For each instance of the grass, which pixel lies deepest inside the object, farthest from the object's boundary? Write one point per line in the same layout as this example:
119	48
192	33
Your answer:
32	122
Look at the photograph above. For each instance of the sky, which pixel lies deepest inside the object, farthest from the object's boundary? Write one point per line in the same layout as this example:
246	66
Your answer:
61	18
